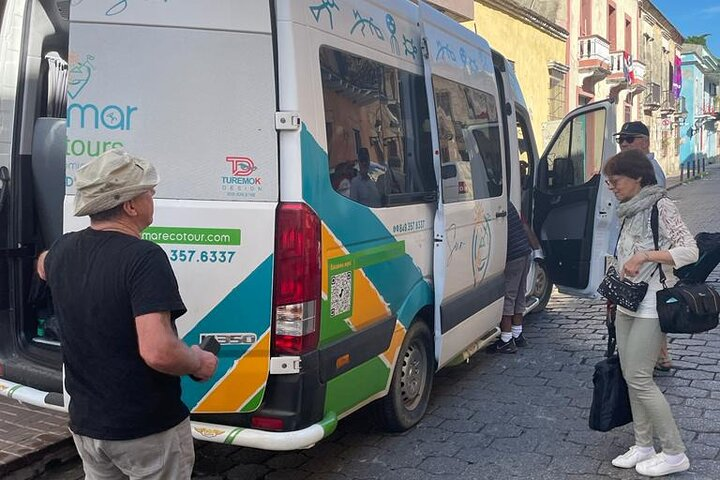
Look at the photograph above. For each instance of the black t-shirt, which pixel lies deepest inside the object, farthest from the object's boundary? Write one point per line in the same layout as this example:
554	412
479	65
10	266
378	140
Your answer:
100	282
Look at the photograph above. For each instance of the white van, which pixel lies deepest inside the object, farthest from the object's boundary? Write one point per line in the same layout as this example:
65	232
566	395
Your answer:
307	151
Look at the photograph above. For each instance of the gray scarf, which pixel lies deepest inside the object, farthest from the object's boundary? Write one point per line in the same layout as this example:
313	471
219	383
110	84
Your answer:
643	201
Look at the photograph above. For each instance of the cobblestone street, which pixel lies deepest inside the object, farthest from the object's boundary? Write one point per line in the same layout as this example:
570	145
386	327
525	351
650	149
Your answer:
513	416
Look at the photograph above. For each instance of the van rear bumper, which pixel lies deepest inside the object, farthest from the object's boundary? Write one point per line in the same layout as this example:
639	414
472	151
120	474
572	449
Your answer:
248	437
209	432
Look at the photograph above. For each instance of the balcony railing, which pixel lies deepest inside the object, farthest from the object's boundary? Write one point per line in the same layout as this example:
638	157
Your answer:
617	64
638	69
669	102
594	51
653	96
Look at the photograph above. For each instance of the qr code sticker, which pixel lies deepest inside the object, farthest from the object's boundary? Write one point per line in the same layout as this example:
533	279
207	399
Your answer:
340	293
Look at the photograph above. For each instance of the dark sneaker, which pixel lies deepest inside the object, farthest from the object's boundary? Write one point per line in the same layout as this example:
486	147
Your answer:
502	347
520	341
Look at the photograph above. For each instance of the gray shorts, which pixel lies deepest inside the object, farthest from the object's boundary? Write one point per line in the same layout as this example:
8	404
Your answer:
516	272
168	455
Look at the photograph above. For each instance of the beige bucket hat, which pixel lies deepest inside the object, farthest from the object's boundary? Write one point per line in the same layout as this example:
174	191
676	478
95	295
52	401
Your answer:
110	180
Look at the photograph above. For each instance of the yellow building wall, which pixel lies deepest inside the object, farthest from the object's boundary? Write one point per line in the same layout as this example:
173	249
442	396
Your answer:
530	49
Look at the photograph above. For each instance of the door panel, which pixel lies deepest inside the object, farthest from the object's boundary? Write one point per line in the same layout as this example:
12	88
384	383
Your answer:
572	205
470	223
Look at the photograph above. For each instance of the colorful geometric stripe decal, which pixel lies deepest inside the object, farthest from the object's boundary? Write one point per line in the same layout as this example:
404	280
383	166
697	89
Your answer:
242	383
246	309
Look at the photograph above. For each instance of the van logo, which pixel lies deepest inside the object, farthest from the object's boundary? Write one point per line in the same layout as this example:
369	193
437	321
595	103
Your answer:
241	166
231	338
80	75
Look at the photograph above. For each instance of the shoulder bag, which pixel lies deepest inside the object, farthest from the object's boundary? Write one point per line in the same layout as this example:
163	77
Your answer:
686	307
610	406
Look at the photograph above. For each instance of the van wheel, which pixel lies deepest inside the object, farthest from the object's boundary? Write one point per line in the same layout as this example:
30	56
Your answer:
542	287
407	400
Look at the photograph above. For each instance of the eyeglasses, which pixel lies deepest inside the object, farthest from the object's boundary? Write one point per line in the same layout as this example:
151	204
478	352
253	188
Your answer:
626	138
612	181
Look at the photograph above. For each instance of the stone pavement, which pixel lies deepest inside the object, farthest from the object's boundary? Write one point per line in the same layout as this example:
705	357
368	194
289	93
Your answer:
513	416
28	435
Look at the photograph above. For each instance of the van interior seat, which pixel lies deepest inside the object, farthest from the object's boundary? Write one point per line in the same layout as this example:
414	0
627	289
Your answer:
48	172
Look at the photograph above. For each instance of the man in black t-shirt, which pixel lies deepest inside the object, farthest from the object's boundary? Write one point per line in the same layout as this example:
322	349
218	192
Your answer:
117	301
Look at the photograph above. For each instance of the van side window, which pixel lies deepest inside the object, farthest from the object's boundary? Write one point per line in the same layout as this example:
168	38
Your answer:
576	156
527	161
469	135
378	136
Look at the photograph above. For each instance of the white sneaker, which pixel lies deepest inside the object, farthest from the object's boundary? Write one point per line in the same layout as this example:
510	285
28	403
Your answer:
632	457
658	466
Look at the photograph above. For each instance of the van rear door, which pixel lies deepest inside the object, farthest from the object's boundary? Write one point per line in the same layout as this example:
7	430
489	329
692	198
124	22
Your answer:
177	83
573	208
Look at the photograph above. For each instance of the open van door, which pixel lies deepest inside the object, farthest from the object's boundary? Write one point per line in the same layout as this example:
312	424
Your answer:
470	224
574	209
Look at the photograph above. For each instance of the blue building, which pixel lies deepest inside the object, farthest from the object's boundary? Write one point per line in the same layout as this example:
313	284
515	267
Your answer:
699	132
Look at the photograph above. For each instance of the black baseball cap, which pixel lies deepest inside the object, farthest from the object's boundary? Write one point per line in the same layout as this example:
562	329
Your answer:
633	128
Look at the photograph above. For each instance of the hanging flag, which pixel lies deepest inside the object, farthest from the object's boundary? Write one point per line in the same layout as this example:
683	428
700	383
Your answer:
677	77
628	68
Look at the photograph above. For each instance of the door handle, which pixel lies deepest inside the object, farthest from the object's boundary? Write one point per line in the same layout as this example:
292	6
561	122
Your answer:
555	200
501	214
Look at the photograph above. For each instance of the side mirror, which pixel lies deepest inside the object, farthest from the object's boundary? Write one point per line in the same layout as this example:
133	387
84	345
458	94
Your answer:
4	185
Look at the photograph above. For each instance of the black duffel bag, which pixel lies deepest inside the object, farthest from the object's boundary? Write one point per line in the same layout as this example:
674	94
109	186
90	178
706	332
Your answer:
610	406
686	307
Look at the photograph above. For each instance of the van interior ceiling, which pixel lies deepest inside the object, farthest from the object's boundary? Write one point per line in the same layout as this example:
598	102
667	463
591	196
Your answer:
39	168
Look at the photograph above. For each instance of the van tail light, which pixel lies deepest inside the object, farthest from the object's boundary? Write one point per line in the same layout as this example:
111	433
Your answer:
296	293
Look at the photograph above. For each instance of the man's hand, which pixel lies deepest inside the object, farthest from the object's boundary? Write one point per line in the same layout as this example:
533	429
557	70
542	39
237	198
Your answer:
207	363
41	265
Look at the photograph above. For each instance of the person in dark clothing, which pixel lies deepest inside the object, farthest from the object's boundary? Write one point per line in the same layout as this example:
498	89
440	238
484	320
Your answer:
117	300
517	265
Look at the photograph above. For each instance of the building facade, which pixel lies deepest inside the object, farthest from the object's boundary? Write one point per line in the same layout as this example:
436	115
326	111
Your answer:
603	55
535	40
700	80
662	107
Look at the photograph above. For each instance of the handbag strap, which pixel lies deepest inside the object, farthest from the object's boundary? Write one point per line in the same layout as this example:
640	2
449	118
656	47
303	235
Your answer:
655	227
618	239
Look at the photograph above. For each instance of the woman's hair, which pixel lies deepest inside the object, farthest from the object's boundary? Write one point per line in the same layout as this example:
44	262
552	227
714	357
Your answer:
633	164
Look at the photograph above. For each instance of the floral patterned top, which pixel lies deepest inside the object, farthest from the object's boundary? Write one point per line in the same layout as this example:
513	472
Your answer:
674	236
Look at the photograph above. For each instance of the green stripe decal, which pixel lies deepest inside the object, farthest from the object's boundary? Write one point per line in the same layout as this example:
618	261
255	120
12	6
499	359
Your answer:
13	390
192	236
355	386
365	258
329	423
254	402
231	436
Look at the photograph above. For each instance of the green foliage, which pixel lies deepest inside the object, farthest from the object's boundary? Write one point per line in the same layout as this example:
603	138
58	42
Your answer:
698	39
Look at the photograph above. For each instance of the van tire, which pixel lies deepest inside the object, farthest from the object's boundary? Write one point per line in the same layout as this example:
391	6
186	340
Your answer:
542	286
406	402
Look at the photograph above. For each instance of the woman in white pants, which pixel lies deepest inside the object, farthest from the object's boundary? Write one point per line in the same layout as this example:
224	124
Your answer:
631	178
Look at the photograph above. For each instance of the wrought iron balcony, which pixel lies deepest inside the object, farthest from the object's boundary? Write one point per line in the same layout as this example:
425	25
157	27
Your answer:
669	103
653	97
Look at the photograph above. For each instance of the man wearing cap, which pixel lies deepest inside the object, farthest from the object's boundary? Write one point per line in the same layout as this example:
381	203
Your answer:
117	300
636	136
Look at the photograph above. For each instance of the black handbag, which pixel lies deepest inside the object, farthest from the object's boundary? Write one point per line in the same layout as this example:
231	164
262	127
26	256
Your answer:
619	291
622	292
686	307
610	406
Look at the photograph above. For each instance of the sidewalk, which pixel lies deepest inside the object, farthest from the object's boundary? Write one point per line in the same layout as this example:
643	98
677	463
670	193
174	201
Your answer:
673	182
30	438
